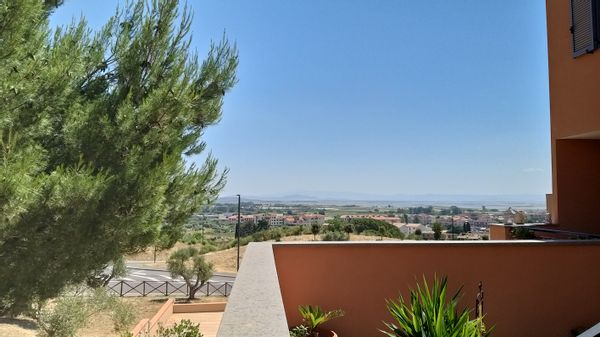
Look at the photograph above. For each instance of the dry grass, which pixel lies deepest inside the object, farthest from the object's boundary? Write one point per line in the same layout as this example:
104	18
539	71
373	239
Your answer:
101	324
225	260
145	307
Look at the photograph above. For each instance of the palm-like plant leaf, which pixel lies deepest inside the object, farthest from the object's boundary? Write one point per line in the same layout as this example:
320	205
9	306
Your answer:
313	316
431	314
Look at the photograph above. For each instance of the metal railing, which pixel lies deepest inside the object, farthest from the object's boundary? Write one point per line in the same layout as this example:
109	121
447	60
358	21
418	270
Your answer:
166	288
557	234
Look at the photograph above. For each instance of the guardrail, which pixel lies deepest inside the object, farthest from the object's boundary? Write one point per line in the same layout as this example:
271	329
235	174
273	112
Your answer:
166	288
558	234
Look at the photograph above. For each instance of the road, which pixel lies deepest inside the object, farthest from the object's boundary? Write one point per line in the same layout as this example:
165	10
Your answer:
145	281
139	274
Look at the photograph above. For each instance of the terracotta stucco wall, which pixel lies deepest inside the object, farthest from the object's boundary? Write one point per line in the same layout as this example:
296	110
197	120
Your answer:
574	107
578	179
531	289
500	232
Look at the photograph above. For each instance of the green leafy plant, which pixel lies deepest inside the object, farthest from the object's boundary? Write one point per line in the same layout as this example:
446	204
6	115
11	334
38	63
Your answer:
430	314
185	328
300	331
312	318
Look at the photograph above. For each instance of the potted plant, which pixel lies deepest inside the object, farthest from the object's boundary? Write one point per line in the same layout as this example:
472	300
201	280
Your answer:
312	318
429	313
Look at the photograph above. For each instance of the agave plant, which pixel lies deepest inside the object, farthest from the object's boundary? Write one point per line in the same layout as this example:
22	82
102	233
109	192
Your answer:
312	318
429	314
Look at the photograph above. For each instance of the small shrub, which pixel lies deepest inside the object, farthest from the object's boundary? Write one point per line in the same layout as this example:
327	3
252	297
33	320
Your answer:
370	232
298	230
348	228
522	233
122	316
207	248
185	328
335	236
68	313
300	331
63	318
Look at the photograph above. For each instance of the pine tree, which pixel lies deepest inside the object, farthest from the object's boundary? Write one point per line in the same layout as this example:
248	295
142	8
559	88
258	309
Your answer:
96	135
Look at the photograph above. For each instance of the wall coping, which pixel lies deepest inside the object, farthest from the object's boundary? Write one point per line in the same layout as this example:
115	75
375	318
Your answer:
441	243
513	225
140	328
255	307
163	314
148	326
199	307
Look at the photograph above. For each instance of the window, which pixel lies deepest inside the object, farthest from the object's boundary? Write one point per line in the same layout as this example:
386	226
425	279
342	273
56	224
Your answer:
585	26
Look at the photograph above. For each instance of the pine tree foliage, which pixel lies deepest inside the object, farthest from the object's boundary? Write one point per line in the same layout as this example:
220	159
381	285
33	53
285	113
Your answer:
96	129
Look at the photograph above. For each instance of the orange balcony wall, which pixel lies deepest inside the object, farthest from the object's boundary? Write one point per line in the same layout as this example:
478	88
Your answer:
531	288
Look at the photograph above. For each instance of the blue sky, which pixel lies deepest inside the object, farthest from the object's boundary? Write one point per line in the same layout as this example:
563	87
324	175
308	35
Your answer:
379	97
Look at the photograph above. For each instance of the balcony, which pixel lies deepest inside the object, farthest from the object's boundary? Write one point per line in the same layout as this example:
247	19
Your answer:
532	288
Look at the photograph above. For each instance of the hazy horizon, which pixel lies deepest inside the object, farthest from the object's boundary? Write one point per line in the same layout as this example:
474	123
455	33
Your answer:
521	201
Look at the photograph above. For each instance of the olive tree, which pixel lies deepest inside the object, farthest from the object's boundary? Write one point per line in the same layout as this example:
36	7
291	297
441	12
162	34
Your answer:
191	266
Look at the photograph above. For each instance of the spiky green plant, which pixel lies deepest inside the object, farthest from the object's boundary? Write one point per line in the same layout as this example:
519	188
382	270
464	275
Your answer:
313	317
430	314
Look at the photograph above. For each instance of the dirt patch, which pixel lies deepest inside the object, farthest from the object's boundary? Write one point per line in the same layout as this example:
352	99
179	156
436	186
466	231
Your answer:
17	327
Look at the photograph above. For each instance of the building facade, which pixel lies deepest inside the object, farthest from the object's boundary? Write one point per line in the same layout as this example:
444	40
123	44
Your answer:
574	71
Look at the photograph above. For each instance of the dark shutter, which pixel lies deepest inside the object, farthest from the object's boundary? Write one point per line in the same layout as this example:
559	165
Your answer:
583	26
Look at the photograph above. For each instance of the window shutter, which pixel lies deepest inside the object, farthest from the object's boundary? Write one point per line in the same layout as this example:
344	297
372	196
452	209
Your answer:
583	27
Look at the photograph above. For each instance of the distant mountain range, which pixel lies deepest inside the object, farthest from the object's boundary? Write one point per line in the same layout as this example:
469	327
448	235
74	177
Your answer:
400	200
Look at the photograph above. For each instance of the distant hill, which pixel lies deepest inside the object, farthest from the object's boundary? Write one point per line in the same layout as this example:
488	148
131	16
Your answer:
402	200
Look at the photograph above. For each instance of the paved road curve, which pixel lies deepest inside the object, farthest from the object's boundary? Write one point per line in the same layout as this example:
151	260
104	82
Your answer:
145	281
155	275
